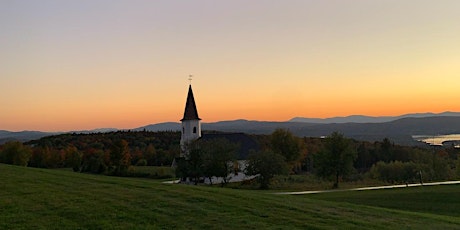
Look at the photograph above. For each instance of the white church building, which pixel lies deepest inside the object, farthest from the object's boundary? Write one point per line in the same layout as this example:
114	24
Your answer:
191	123
191	131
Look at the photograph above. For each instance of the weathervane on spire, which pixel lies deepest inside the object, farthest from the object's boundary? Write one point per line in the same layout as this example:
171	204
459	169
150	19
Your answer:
190	78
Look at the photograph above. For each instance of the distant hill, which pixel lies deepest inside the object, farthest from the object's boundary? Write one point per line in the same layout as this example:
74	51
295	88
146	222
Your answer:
167	126
256	127
399	131
101	130
370	119
23	136
6	136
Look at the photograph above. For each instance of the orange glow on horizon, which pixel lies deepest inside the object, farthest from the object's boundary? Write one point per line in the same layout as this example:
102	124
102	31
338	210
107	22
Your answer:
122	66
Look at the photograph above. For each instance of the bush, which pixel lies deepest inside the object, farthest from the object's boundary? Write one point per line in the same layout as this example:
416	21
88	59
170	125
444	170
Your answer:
141	162
395	172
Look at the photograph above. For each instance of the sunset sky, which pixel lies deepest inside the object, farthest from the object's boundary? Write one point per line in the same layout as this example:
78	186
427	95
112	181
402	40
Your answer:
75	65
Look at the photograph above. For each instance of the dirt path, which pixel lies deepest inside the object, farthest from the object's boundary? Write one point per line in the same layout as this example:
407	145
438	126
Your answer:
369	188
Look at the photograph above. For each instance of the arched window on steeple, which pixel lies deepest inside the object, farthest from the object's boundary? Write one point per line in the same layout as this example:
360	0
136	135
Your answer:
194	129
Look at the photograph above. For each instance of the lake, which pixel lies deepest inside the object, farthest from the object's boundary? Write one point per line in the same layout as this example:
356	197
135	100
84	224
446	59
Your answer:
436	139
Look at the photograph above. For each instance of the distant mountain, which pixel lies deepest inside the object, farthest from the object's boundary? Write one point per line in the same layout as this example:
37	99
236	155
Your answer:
257	127
399	131
6	136
370	119
167	126
24	136
101	130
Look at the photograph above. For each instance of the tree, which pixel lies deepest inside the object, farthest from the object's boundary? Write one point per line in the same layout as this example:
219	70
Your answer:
94	161
395	171
386	150
284	143
40	157
336	158
14	152
218	158
56	158
73	158
150	155
194	164
364	158
266	164
120	157
208	158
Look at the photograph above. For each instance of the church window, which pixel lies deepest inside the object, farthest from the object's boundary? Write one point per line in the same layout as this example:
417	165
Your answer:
194	129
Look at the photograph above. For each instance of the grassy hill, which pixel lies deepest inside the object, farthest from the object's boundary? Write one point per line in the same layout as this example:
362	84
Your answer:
33	198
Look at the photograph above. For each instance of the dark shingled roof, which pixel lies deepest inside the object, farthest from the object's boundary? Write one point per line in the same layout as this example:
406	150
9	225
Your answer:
245	142
190	113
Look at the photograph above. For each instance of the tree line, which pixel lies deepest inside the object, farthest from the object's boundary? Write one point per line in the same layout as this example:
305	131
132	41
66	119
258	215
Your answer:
335	157
108	153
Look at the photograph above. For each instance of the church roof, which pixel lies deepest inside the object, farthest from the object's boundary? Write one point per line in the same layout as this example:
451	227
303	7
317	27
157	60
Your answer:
190	113
245	142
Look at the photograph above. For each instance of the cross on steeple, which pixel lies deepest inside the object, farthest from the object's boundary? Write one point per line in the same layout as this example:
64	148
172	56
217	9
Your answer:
190	78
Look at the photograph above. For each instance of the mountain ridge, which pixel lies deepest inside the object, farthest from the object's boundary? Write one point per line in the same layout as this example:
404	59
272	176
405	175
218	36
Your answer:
370	119
400	129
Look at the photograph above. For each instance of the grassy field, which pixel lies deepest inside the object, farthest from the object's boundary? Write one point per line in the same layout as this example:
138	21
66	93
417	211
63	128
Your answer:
440	200
54	199
306	183
153	172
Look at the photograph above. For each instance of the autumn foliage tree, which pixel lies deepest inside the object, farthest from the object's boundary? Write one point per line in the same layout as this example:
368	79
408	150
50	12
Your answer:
120	158
14	152
73	158
40	157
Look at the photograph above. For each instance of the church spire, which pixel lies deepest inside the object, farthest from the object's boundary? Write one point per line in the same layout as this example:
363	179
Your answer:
191	124
190	113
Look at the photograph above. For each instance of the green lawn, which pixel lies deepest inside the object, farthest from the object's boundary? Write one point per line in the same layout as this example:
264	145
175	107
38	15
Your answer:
440	200
54	199
153	172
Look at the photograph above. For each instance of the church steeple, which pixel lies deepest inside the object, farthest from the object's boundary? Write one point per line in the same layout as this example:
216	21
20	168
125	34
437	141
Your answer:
191	125
190	113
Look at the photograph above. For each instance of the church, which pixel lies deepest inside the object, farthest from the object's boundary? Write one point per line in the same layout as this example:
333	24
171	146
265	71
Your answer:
191	131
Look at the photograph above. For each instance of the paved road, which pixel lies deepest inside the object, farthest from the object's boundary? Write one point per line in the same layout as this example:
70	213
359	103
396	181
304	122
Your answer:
368	188
171	182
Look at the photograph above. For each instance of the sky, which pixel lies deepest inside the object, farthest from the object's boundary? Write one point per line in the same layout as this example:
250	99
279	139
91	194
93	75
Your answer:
76	65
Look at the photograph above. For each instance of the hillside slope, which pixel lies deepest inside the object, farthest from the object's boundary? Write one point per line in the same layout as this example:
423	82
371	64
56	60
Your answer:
53	199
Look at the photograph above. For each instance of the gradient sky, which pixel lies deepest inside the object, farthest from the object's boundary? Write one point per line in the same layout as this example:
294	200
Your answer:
74	65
